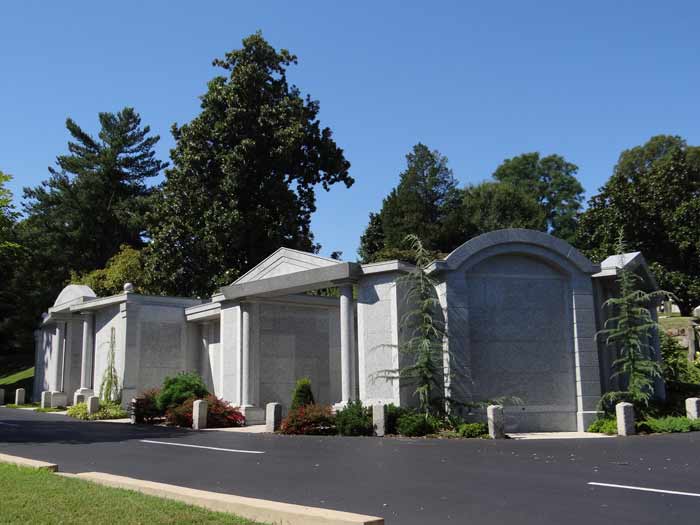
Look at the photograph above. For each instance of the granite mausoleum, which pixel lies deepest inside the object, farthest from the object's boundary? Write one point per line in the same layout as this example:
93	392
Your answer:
521	310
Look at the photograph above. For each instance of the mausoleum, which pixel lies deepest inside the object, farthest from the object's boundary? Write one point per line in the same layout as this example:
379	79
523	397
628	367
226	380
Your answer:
521	310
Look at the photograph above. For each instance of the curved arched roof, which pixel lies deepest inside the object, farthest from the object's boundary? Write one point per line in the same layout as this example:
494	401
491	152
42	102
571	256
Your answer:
515	236
72	292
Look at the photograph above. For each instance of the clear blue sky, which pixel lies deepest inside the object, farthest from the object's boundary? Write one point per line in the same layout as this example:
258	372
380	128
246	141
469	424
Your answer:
480	83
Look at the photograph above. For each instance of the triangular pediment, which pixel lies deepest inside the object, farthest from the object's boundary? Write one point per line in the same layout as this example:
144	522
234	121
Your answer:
285	261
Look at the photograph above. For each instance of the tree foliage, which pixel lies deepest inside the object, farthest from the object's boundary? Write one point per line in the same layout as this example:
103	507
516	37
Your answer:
552	182
495	205
243	176
630	332
126	266
654	195
426	203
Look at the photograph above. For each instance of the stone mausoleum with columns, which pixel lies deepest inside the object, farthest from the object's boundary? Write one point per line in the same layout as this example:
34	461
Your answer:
521	310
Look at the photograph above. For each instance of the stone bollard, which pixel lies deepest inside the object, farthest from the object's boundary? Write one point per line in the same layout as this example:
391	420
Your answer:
79	398
379	420
19	396
692	408
58	399
273	417
93	404
624	413
497	426
46	399
199	414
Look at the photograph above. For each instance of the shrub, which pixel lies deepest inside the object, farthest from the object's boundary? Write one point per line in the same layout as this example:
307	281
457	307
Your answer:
178	389
106	411
604	425
414	425
473	430
354	420
393	413
668	424
676	367
220	414
302	395
317	420
148	405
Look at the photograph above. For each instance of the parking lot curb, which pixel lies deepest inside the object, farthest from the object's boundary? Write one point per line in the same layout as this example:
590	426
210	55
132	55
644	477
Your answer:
29	463
252	508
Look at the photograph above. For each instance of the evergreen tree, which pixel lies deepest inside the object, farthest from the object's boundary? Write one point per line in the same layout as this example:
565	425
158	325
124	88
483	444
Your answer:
496	205
243	176
95	199
629	332
552	181
426	203
654	195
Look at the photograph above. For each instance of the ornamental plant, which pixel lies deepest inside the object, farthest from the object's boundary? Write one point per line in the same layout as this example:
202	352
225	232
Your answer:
179	388
354	420
220	414
315	420
302	395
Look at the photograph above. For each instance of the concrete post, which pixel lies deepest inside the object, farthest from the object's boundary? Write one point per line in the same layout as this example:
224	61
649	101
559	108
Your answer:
86	355
692	407
58	399
93	404
273	417
346	318
379	420
496	422
624	413
46	399
199	414
19	396
245	354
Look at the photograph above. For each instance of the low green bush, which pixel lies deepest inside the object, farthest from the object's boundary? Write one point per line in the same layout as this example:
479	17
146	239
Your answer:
354	420
604	425
179	388
316	420
668	424
473	430
393	413
302	394
106	411
415	425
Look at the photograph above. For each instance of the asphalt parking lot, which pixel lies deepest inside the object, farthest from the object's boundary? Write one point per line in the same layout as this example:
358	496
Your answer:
642	479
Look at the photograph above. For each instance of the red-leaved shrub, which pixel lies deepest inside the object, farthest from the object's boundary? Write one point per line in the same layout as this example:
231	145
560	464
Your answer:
316	420
220	414
147	405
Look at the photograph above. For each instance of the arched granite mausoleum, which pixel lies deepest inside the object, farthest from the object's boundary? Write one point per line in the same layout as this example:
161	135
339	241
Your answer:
521	310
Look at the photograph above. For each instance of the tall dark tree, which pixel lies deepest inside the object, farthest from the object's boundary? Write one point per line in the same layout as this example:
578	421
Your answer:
653	195
426	203
496	205
552	180
95	198
244	174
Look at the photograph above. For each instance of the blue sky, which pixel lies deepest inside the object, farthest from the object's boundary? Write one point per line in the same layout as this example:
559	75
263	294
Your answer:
479	82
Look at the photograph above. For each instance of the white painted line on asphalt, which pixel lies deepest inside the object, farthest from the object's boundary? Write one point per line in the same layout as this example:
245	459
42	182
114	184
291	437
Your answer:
645	489
201	446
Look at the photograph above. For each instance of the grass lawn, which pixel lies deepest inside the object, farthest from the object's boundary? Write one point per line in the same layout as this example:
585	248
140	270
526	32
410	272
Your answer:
32	496
17	379
675	321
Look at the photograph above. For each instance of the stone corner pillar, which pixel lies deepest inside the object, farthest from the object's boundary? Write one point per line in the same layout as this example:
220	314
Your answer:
692	408
346	343
199	414
624	413
496	421
273	417
379	420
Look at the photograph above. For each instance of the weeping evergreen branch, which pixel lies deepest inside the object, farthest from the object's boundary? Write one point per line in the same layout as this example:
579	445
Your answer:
630	331
109	388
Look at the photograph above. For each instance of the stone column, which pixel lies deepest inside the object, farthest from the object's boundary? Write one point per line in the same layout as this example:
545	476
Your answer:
624	413
59	348
245	354
346	346
692	408
496	421
87	354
